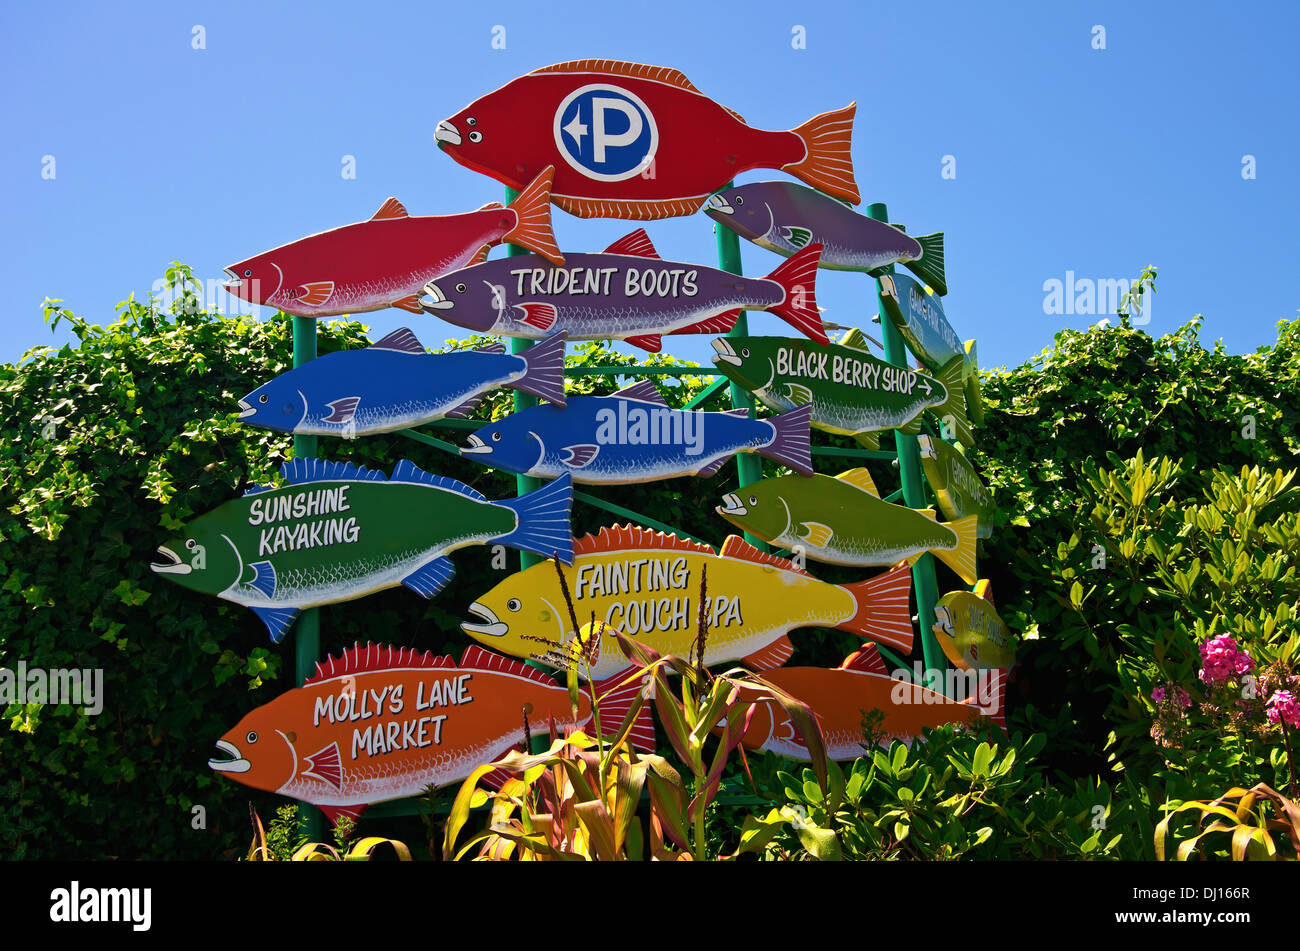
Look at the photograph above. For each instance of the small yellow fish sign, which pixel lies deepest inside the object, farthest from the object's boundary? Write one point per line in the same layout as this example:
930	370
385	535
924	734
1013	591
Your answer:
970	632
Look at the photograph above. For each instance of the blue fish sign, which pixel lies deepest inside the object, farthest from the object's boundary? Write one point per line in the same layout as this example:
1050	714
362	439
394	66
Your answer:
634	436
394	384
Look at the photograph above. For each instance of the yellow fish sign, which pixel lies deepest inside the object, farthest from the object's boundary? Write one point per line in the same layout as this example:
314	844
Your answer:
647	584
970	632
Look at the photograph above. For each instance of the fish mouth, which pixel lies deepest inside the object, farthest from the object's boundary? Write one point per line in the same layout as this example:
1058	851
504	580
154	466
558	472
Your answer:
172	566
927	449
492	627
731	505
725	352
233	281
446	132
434	299
475	445
235	764
719	204
245	409
943	620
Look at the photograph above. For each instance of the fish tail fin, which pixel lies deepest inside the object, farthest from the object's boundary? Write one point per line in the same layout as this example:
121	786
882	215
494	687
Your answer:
884	608
797	276
962	558
828	161
790	445
543	520
952	412
532	210
616	703
544	376
929	266
994	695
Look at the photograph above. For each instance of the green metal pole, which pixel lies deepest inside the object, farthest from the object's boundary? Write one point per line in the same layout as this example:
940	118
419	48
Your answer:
749	466
306	644
909	472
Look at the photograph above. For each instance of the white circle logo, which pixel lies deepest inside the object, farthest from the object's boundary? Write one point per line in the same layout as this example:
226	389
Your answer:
606	133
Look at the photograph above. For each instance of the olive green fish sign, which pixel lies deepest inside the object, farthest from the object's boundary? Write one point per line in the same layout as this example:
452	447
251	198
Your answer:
970	632
842	520
339	531
958	489
852	392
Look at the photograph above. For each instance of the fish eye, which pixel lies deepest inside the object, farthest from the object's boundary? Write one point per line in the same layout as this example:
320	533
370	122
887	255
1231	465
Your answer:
471	121
460	288
252	737
248	272
476	136
263	398
739	200
513	604
744	351
753	501
189	543
496	437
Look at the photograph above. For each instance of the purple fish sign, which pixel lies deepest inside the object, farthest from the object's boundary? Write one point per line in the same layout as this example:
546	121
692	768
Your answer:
786	217
626	293
633	436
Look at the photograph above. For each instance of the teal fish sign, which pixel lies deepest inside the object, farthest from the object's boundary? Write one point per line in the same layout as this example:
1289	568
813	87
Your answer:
919	317
339	531
852	392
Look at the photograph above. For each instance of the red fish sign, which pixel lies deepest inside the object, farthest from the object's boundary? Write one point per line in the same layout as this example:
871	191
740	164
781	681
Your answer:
385	261
633	141
379	723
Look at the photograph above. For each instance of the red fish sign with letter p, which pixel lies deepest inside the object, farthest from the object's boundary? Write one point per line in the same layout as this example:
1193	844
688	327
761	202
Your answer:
379	723
633	141
383	262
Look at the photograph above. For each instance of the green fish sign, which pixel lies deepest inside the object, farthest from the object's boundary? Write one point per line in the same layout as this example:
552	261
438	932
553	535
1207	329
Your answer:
852	392
339	531
842	520
958	489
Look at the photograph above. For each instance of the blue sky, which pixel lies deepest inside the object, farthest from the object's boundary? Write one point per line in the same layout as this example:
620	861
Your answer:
1067	158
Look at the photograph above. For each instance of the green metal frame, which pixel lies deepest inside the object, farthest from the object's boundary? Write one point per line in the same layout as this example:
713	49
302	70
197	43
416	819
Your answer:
748	469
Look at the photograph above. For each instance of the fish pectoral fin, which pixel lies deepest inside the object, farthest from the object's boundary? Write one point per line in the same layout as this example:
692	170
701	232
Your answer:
317	293
277	621
798	394
428	580
326	765
263	578
409	303
712	468
342	411
771	656
581	455
538	314
797	236
816	534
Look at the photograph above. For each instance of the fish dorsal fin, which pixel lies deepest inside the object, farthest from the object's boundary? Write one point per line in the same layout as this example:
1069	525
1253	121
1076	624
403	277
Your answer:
855	338
737	547
490	206
637	244
358	660
614	67
867	660
408	471
860	479
258	489
299	471
479	658
928	513
399	341
390	209
625	537
643	390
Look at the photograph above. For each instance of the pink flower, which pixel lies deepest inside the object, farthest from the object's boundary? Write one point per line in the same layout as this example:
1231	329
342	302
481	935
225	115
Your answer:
1158	695
1181	697
1283	707
1221	659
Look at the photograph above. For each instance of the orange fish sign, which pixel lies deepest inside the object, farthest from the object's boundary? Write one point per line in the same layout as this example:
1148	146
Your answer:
839	697
380	723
